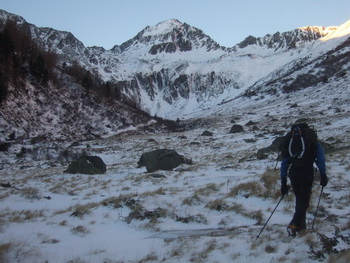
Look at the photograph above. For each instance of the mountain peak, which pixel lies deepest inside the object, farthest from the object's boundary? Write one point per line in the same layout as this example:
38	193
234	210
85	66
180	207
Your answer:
170	36
166	26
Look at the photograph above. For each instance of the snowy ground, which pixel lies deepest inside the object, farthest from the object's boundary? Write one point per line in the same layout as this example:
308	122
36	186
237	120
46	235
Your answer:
211	211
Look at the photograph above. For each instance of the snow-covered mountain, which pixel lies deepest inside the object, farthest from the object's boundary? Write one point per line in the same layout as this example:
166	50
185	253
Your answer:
172	69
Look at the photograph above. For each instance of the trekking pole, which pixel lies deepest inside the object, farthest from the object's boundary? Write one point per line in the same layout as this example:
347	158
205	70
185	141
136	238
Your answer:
318	204
278	157
270	216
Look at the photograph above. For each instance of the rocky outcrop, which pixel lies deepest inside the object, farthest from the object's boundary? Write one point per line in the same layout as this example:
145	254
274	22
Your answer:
287	40
87	165
162	159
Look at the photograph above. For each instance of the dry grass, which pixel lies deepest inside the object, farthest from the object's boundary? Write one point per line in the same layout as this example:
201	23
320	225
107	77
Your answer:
247	189
159	191
81	210
4	249
310	240
21	216
197	196
207	190
270	248
75	184
271	181
202	255
238	208
22	250
342	257
270	178
76	260
62	187
192	200
80	230
218	204
129	200
149	258
257	215
5	195
30	193
47	240
78	210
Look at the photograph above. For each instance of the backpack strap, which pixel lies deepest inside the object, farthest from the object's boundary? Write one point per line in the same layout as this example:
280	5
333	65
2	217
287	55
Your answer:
298	132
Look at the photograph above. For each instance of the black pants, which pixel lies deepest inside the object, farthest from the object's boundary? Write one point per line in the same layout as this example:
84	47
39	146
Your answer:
301	179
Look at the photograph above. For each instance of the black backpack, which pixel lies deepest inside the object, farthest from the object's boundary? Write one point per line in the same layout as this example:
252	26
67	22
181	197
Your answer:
300	145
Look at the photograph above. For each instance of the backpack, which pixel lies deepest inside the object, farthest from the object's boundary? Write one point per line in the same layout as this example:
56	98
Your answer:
300	145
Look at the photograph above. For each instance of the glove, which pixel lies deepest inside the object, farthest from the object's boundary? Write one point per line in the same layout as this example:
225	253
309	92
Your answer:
324	180
285	189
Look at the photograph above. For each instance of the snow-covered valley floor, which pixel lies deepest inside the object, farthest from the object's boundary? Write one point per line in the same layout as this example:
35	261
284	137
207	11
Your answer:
210	211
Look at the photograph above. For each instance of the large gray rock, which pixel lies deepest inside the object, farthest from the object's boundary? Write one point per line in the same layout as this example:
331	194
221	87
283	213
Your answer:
236	128
274	147
162	159
87	165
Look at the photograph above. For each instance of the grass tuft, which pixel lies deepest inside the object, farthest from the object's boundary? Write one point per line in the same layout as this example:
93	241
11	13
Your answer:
247	189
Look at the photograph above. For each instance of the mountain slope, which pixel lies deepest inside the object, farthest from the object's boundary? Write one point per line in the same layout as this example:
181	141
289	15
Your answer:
169	81
327	60
196	79
43	98
173	70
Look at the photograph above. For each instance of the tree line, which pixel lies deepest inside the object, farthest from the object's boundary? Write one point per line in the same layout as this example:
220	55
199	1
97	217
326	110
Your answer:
21	58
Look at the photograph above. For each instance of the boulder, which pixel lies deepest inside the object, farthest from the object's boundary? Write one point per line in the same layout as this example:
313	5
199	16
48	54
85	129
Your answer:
251	123
274	147
162	159
207	133
4	146
236	128
87	165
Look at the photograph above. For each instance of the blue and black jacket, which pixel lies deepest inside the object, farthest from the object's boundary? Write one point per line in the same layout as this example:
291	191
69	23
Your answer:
320	161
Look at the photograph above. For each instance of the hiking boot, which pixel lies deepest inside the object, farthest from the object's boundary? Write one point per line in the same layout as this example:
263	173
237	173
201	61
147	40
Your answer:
293	229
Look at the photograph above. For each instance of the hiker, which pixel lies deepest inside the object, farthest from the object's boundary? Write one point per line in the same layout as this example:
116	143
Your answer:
300	150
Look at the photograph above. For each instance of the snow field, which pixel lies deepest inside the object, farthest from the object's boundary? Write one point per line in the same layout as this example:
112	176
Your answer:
226	196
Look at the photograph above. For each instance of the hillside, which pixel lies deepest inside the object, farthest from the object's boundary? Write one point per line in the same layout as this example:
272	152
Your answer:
208	211
42	99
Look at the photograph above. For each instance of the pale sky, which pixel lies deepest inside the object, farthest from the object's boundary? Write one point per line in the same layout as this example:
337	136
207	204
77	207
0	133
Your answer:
106	23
